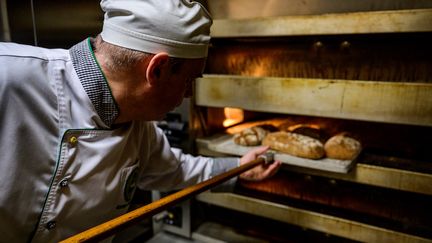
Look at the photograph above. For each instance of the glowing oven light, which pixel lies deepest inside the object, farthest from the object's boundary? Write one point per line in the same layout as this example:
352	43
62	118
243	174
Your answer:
232	116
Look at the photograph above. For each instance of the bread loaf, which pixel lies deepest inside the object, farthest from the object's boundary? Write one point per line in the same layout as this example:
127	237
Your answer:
250	136
342	147
295	144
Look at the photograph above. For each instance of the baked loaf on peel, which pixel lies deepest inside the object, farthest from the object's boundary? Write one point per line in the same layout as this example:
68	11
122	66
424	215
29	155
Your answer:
250	136
295	144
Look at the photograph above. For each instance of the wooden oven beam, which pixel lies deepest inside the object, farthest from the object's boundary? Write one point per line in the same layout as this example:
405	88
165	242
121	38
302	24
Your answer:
393	102
394	21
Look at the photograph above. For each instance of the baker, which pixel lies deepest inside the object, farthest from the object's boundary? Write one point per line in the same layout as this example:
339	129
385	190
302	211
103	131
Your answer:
76	127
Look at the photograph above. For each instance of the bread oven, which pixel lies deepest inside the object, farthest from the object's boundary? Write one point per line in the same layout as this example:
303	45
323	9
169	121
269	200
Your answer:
365	73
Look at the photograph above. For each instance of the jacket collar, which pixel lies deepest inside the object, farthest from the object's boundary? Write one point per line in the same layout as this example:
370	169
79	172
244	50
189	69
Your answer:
94	82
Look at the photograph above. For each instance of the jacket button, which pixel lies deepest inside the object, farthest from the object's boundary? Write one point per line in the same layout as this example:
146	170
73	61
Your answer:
73	140
50	225
64	182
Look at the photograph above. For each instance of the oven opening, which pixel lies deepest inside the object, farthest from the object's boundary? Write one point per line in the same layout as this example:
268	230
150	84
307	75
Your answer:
395	142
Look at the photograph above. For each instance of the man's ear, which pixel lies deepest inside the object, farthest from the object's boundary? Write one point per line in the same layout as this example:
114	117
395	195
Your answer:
156	67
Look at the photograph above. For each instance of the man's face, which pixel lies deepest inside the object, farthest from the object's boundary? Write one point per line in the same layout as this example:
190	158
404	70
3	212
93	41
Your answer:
178	83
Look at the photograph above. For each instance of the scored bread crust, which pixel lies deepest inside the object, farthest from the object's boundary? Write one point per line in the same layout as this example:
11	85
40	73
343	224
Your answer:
295	144
250	136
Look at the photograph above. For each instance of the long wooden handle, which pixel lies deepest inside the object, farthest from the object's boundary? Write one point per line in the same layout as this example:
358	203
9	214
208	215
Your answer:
109	228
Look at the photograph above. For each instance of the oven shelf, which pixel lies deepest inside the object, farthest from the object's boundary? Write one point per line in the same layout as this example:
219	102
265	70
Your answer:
395	21
392	102
308	219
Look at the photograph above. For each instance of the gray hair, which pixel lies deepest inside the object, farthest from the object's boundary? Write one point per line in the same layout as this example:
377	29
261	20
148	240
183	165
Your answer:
121	59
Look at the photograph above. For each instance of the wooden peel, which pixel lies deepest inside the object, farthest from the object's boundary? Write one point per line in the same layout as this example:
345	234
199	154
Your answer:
109	228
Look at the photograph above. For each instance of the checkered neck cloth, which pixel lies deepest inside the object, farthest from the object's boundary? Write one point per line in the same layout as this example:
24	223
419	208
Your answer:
93	81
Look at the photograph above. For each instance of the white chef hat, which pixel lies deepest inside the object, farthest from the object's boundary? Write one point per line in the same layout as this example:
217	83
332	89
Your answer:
180	28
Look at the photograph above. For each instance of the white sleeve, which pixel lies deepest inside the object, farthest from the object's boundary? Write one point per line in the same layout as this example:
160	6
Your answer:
167	168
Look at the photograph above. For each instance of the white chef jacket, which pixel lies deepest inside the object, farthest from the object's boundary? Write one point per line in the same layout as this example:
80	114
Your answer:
64	167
